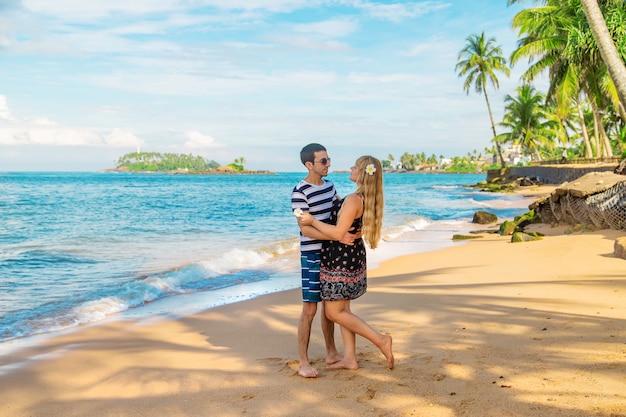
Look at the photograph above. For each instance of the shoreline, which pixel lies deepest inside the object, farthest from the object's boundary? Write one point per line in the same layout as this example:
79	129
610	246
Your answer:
484	328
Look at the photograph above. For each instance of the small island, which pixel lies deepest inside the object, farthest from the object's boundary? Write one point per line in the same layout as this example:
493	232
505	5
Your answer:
173	163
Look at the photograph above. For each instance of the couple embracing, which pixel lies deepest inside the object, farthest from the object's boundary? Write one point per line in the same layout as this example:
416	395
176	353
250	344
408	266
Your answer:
333	257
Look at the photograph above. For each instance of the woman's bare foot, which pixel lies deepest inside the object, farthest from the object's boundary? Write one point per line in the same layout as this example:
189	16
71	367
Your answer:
330	359
385	348
345	364
308	371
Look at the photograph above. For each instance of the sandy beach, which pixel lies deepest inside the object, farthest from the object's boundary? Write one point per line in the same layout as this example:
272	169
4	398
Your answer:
489	328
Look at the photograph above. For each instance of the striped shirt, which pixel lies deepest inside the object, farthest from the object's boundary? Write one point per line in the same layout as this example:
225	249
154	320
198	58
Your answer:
318	200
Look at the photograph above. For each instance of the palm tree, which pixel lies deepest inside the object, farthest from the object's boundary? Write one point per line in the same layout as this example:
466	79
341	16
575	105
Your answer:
606	45
558	38
526	117
479	60
408	161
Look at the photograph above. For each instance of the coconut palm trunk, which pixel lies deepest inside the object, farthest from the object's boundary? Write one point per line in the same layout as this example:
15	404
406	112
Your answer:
607	47
493	129
585	133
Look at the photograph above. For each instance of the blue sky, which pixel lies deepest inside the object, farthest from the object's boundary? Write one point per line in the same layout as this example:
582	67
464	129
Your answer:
84	82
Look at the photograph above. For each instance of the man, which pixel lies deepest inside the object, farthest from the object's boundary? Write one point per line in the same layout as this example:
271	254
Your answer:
314	194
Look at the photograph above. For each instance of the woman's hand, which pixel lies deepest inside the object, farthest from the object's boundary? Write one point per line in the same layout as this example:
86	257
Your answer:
350	237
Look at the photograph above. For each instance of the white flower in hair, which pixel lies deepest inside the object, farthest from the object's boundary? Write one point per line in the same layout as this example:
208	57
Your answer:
370	169
297	212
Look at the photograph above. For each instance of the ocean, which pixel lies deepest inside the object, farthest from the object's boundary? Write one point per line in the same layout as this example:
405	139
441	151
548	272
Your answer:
79	248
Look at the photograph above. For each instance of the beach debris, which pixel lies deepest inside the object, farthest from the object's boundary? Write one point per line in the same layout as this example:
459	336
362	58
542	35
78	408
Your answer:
483	217
596	198
527	181
619	247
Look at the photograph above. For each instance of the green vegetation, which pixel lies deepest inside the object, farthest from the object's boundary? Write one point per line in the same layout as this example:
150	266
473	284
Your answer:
581	109
472	163
166	162
237	165
580	112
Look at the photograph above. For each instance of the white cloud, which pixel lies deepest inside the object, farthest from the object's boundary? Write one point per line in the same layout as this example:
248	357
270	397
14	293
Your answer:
5	113
196	140
397	12
329	28
98	8
43	131
46	135
314	44
270	5
121	138
106	73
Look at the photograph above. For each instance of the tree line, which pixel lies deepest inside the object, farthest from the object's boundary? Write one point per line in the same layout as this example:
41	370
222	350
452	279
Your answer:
583	110
473	162
166	162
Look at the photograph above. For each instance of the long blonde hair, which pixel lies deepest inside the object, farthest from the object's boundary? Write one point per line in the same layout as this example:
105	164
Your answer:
371	188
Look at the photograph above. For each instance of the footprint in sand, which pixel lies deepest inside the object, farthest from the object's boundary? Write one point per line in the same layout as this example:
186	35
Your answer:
369	394
291	366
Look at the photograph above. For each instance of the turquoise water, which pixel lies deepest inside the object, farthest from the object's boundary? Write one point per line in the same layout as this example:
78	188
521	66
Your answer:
76	248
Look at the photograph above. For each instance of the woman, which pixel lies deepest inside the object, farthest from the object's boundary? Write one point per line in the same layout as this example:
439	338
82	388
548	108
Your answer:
343	271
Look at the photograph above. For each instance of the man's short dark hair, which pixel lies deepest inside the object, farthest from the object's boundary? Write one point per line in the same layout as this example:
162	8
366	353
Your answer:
307	154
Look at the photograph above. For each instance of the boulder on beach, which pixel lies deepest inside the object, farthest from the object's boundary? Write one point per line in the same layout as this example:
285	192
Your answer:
482	217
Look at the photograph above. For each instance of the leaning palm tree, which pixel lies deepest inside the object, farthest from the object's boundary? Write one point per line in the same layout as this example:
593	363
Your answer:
557	39
479	60
606	45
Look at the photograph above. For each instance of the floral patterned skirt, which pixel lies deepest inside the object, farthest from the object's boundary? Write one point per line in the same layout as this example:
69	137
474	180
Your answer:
343	271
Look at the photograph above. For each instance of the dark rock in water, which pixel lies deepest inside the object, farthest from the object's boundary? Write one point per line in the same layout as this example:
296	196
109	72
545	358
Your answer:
482	217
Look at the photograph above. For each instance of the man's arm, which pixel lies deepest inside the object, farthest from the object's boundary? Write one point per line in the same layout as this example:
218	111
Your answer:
313	233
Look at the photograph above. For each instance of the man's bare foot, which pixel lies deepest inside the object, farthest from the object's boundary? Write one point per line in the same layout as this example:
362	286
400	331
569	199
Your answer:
385	347
330	359
345	364
307	371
